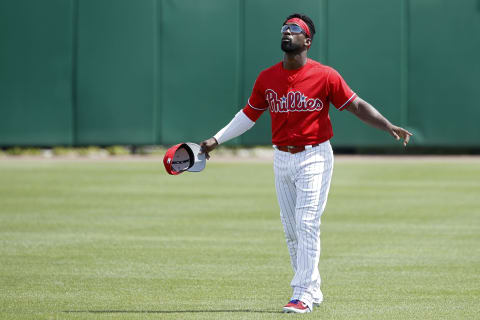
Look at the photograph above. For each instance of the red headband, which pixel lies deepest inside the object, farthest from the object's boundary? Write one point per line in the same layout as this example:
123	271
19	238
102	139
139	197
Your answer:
300	23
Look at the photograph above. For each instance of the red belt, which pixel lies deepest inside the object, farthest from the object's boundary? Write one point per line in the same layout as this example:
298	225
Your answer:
295	149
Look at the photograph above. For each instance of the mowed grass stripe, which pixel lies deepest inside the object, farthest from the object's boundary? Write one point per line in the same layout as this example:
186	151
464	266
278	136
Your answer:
123	240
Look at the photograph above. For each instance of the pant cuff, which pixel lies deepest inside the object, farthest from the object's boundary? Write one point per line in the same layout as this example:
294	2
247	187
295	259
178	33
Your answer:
302	295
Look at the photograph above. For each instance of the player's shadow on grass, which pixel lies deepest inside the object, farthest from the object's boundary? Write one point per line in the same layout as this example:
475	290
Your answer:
171	311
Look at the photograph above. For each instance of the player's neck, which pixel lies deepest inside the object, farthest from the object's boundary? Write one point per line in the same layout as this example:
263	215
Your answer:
292	61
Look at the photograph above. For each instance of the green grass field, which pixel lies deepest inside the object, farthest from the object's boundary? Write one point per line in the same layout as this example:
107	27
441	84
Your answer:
123	240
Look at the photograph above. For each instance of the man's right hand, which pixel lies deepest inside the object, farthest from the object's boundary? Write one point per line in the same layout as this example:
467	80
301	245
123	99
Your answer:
207	146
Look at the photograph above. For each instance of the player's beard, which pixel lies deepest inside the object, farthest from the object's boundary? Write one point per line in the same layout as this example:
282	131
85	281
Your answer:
290	47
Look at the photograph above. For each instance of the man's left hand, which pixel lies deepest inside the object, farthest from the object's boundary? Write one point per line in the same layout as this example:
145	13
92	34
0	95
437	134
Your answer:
400	133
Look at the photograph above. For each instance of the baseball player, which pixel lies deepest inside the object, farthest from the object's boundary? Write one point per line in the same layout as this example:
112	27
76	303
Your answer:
298	92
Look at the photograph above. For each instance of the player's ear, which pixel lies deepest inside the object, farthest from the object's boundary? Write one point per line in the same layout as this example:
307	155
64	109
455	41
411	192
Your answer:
308	42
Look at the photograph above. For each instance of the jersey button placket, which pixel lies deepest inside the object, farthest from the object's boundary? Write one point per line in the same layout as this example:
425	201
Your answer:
290	129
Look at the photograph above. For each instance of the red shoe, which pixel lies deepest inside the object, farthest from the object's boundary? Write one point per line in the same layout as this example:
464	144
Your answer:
296	306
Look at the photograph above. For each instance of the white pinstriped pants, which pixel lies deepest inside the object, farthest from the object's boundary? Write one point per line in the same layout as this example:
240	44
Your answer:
302	181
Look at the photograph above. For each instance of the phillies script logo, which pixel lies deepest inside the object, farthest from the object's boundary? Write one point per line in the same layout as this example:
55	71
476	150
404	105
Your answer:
294	101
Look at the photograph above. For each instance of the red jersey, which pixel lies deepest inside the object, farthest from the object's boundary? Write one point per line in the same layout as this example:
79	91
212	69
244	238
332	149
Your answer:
298	101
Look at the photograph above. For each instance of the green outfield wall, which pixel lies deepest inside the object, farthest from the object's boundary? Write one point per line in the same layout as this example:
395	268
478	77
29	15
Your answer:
141	72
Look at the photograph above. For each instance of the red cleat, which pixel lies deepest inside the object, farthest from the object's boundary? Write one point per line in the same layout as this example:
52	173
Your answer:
296	306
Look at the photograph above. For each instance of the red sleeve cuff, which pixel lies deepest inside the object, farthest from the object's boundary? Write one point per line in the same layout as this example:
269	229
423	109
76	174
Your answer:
252	112
347	103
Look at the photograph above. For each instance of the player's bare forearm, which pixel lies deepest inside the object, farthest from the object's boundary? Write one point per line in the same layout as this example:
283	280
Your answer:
368	114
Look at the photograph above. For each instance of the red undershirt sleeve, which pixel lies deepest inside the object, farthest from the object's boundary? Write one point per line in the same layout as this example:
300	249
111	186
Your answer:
340	93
